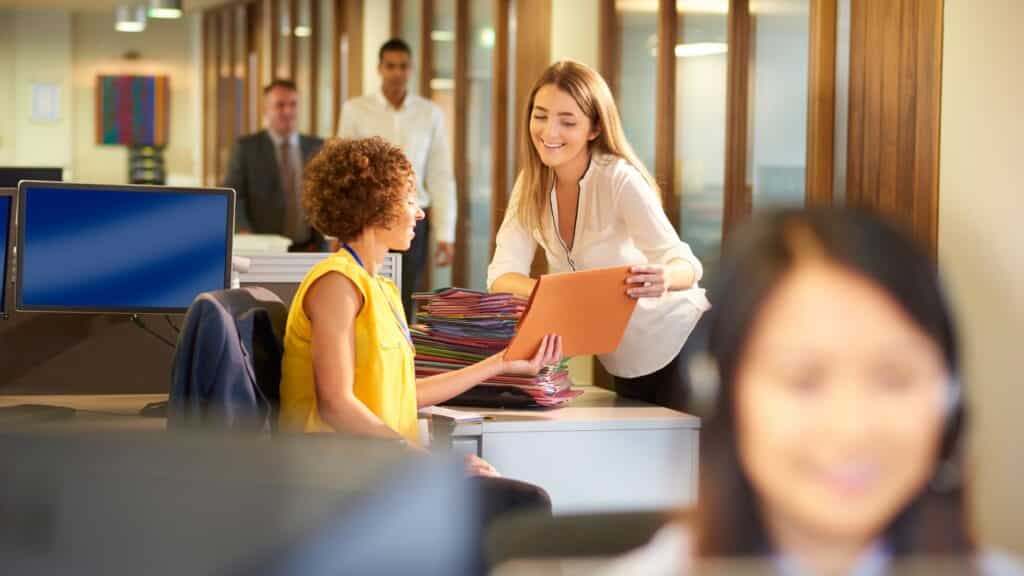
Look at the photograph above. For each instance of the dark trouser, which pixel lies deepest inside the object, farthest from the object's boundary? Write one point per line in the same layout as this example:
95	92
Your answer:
666	387
414	263
500	496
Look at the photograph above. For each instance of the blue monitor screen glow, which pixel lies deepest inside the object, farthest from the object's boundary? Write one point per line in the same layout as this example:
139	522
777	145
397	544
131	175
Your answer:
5	239
120	249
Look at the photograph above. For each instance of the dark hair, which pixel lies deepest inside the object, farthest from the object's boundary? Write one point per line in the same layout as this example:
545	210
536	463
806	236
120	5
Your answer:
351	185
762	253
394	45
280	83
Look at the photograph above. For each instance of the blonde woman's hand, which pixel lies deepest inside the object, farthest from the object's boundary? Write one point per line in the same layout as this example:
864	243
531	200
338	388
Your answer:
647	281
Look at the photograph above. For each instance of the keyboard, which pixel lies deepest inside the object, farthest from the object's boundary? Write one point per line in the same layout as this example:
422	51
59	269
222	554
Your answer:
26	413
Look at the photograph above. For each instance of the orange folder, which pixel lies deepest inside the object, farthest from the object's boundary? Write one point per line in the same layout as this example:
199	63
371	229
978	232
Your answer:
588	309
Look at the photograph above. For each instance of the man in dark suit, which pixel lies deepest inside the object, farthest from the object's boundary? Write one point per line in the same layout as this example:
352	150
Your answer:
266	172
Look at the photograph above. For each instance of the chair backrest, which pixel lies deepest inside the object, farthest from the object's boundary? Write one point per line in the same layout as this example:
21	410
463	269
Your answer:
534	536
227	364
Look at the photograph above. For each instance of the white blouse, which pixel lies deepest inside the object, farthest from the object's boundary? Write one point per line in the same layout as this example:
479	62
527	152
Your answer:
619	221
670	553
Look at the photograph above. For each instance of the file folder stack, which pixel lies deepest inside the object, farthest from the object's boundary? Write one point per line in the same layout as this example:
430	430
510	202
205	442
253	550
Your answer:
456	327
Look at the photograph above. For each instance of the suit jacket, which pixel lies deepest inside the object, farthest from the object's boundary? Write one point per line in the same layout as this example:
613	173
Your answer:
227	364
253	173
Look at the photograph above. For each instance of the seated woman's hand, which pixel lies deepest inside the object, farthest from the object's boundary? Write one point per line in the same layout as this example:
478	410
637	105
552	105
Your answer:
549	352
477	466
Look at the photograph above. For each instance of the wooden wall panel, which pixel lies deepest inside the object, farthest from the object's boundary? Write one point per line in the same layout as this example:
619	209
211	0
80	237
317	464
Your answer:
821	103
293	48
426	48
463	32
665	110
274	24
501	134
895	80
314	65
533	55
354	30
609	57
737	201
396	18
347	57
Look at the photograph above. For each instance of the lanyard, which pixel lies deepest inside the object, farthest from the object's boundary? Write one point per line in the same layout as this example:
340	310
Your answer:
398	317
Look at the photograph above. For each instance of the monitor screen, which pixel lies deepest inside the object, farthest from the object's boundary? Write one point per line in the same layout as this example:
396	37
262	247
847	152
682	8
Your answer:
121	249
6	203
11	175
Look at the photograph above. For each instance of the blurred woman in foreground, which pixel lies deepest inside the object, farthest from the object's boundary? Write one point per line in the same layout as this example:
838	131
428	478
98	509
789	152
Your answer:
835	412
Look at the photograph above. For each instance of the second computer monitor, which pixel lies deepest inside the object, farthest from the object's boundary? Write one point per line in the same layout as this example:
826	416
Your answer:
6	224
11	175
121	249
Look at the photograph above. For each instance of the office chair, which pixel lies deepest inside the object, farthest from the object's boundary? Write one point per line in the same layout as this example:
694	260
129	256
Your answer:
226	372
596	535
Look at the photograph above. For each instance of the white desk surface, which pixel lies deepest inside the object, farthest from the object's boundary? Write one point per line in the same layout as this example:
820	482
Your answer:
596	409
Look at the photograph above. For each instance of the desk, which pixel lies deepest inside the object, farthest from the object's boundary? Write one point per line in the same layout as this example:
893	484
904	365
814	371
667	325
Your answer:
106	412
601	453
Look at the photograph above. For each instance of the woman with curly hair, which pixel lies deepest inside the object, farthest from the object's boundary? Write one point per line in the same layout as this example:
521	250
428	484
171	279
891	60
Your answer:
348	354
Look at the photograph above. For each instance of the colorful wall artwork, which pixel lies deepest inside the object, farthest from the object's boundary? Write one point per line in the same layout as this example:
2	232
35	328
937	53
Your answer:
132	110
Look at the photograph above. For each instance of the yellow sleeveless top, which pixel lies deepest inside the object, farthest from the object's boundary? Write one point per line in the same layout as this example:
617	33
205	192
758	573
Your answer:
385	377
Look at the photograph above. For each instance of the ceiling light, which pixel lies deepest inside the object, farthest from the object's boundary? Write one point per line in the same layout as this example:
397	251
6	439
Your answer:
442	35
487	37
130	18
167	9
700	49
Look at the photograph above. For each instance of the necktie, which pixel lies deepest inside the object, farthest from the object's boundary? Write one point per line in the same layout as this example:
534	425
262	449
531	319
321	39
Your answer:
292	209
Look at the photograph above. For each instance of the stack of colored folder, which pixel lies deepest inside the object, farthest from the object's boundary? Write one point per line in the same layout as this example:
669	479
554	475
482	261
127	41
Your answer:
456	327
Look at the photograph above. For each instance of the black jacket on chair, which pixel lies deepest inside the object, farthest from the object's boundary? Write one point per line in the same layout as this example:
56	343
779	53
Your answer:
253	173
227	363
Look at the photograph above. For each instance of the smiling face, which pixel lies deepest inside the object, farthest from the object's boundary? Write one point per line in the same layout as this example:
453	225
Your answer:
398	236
559	129
840	403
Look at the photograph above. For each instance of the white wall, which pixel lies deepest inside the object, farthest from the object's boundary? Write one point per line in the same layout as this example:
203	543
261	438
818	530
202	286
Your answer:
6	88
55	46
165	48
574	30
376	31
36	48
981	203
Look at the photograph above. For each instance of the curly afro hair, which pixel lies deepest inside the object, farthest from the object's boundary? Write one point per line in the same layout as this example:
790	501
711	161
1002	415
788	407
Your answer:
351	185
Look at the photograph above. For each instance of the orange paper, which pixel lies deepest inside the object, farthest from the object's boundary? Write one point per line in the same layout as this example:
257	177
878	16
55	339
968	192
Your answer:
588	309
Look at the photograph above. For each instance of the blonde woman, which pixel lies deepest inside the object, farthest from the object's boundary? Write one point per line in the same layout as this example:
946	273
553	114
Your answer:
588	202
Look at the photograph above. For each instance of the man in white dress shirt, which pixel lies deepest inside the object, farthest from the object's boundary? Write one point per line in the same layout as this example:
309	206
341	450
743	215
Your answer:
417	126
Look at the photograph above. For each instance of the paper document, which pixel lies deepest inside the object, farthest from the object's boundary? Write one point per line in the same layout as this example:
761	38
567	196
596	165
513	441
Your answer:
588	309
458	416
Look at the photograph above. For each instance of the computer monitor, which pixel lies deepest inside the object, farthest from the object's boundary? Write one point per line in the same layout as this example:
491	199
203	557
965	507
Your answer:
81	501
120	249
6	225
11	175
